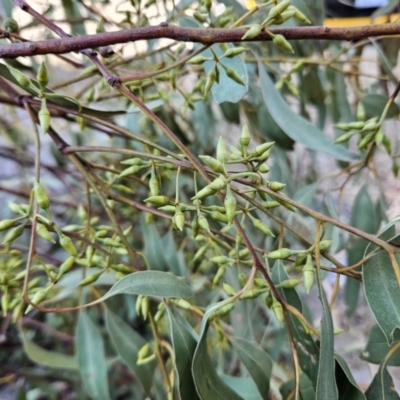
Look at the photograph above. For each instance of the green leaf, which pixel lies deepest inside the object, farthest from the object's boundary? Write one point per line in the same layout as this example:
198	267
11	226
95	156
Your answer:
208	384
385	62
348	388
362	206
374	105
257	362
45	357
382	386
386	9
71	9
326	383
377	347
245	387
382	292
91	359
227	90
184	340
153	247
128	343
306	388
151	283
295	126
307	349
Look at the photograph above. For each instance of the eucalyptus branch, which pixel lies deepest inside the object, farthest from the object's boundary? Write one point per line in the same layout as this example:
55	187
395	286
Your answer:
205	36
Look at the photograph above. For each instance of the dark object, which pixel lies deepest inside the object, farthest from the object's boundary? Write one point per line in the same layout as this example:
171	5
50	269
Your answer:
351	8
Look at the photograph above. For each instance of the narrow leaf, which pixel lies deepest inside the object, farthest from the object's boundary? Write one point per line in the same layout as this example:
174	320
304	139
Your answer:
45	357
208	384
257	362
127	343
151	283
295	126
91	359
348	388
184	340
245	387
377	347
382	387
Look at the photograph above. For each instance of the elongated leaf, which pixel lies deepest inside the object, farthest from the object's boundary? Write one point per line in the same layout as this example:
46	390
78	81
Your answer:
306	388
91	359
362	206
257	362
382	292
153	247
245	387
128	343
382	387
184	340
47	358
227	89
347	386
295	126
307	349
209	385
377	347
71	9
151	283
326	383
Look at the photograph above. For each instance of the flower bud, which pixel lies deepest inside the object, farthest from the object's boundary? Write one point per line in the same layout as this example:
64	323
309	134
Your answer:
158	200
11	25
280	254
261	226
221	260
288	283
278	9
44	117
225	309
41	197
42	75
324	245
198	60
262	283
13	234
43	232
232	74
252	293
182	303
5	301
244	140
131	170
308	274
300	259
343	138
67	244
213	163
230	204
222	155
7	224
270	204
66	266
90	279
301	17
178	220
276	186
143	351
280	41
145	307
217	216
252	32
233	52
203	223
263	168
22	79
276	307
229	290
154	184
134	161
37	299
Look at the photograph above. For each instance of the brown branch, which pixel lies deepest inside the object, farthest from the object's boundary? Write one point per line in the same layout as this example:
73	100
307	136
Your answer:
197	35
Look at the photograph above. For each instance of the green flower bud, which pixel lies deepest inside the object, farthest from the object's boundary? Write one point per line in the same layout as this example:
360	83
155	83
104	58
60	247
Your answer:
261	226
301	17
37	299
278	9
198	60
360	113
280	41
158	200
203	223
11	25
160	312
131	170
200	252
233	52
263	168
66	266
14	233
280	254
200	18
252	32
244	140
182	303
262	283
276	186
308	274
112	242
43	232
67	244
252	293
178	220
217	216
134	161
379	136
217	184
5	302
370	126
223	310
41	197
229	290
366	140
300	259
222	155
42	75
211	78
218	276
90	279
154	184
324	245
276	307
356	125
270	204
343	138
143	351
18	208
230	204
17	312
387	144
44	117
7	224
288	283
21	78
268	300
222	260
213	163
170	209
232	74
145	307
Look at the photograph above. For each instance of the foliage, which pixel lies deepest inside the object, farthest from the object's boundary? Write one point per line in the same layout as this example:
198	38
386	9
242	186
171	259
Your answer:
165	232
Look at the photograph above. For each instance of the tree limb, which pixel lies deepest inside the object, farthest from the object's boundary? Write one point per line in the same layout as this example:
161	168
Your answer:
196	35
